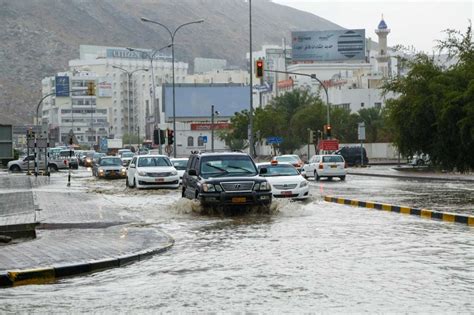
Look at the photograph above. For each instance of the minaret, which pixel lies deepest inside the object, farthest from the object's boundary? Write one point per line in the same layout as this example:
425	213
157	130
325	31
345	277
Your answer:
382	58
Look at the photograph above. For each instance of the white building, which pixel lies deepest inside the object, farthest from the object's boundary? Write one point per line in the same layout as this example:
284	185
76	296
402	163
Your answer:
70	108
202	65
133	73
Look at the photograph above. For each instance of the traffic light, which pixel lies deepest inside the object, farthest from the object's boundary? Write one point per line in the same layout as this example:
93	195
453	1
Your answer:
170	136
91	88
156	140
311	136
328	131
259	68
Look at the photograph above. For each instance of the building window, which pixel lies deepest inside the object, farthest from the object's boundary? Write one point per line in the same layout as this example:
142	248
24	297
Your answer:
190	141
378	105
362	104
200	141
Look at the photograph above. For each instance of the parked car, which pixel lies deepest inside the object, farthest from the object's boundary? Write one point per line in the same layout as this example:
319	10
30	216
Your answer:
152	171
224	179
420	159
180	165
352	155
327	165
109	167
286	181
126	157
293	159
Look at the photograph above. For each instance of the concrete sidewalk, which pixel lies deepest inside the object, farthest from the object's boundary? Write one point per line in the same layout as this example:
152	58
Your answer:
75	234
408	172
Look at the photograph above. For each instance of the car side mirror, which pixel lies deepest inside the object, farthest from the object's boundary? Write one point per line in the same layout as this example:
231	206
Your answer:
192	172
131	166
263	170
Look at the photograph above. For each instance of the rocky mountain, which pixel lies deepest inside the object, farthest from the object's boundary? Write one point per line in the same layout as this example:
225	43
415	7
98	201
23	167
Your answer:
39	37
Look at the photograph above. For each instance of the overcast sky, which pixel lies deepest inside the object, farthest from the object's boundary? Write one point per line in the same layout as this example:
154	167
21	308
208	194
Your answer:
418	23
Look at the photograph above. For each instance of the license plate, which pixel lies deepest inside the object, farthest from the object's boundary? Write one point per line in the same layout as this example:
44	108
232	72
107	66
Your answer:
333	166
286	193
238	199
159	180
112	173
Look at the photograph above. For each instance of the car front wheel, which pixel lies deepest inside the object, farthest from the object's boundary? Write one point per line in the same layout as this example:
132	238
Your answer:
316	176
15	168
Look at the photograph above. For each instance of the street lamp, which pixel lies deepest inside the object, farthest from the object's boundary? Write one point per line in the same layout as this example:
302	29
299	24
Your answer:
151	57
172	35
129	76
213	112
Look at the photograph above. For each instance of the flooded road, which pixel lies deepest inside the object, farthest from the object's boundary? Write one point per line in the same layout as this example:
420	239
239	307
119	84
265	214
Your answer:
304	257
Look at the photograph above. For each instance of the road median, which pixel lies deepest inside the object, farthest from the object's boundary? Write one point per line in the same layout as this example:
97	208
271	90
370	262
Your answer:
424	213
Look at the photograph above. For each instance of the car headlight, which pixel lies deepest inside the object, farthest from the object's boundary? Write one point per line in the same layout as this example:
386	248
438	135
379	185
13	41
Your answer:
101	170
263	186
142	173
173	173
208	188
124	170
304	184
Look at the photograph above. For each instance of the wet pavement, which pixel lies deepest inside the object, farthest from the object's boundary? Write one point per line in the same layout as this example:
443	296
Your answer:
308	256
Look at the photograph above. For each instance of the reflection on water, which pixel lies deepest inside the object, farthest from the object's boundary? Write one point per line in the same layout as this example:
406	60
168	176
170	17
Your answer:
303	257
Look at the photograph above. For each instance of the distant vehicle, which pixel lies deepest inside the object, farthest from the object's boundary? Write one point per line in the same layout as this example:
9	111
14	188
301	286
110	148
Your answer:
286	181
22	164
293	159
180	165
109	167
71	159
88	158
143	151
151	171
96	156
352	155
420	159
126	157
225	179
328	165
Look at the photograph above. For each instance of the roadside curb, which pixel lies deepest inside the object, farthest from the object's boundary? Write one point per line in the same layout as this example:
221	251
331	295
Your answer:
43	275
424	213
411	177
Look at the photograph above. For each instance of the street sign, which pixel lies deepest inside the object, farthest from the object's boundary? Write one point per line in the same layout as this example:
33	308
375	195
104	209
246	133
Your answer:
40	143
103	145
204	139
274	140
71	138
361	131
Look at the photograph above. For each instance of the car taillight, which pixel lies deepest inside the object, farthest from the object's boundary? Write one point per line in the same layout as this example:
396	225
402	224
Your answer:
321	166
345	164
65	162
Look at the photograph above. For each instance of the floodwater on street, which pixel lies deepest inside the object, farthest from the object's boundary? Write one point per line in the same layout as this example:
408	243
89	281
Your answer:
310	256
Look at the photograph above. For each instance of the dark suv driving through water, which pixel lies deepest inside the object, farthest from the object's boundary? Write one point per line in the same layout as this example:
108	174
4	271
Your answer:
225	179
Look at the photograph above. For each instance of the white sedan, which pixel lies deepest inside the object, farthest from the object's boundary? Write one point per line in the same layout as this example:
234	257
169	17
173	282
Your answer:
152	171
285	180
180	165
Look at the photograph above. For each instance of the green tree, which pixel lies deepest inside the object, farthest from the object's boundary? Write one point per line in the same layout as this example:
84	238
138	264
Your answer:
434	111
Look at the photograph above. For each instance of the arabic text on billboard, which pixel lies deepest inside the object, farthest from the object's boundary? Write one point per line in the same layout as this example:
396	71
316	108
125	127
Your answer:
62	86
328	45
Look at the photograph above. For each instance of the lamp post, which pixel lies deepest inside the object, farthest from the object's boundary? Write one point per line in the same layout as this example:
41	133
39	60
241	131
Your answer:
172	35
129	76
151	57
213	112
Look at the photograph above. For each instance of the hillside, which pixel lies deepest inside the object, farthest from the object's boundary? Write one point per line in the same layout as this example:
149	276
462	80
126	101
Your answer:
39	37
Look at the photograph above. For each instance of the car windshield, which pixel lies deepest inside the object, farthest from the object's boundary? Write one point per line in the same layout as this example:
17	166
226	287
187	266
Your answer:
153	161
180	164
332	159
110	162
229	165
128	154
279	170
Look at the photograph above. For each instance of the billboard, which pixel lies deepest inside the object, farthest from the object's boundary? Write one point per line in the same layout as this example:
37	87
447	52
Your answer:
62	86
195	100
339	45
104	86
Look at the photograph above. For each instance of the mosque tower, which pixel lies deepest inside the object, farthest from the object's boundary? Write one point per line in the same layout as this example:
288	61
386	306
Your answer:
383	57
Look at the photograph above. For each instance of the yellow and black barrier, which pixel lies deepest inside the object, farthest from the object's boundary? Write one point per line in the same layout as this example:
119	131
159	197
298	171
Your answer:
52	273
424	213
